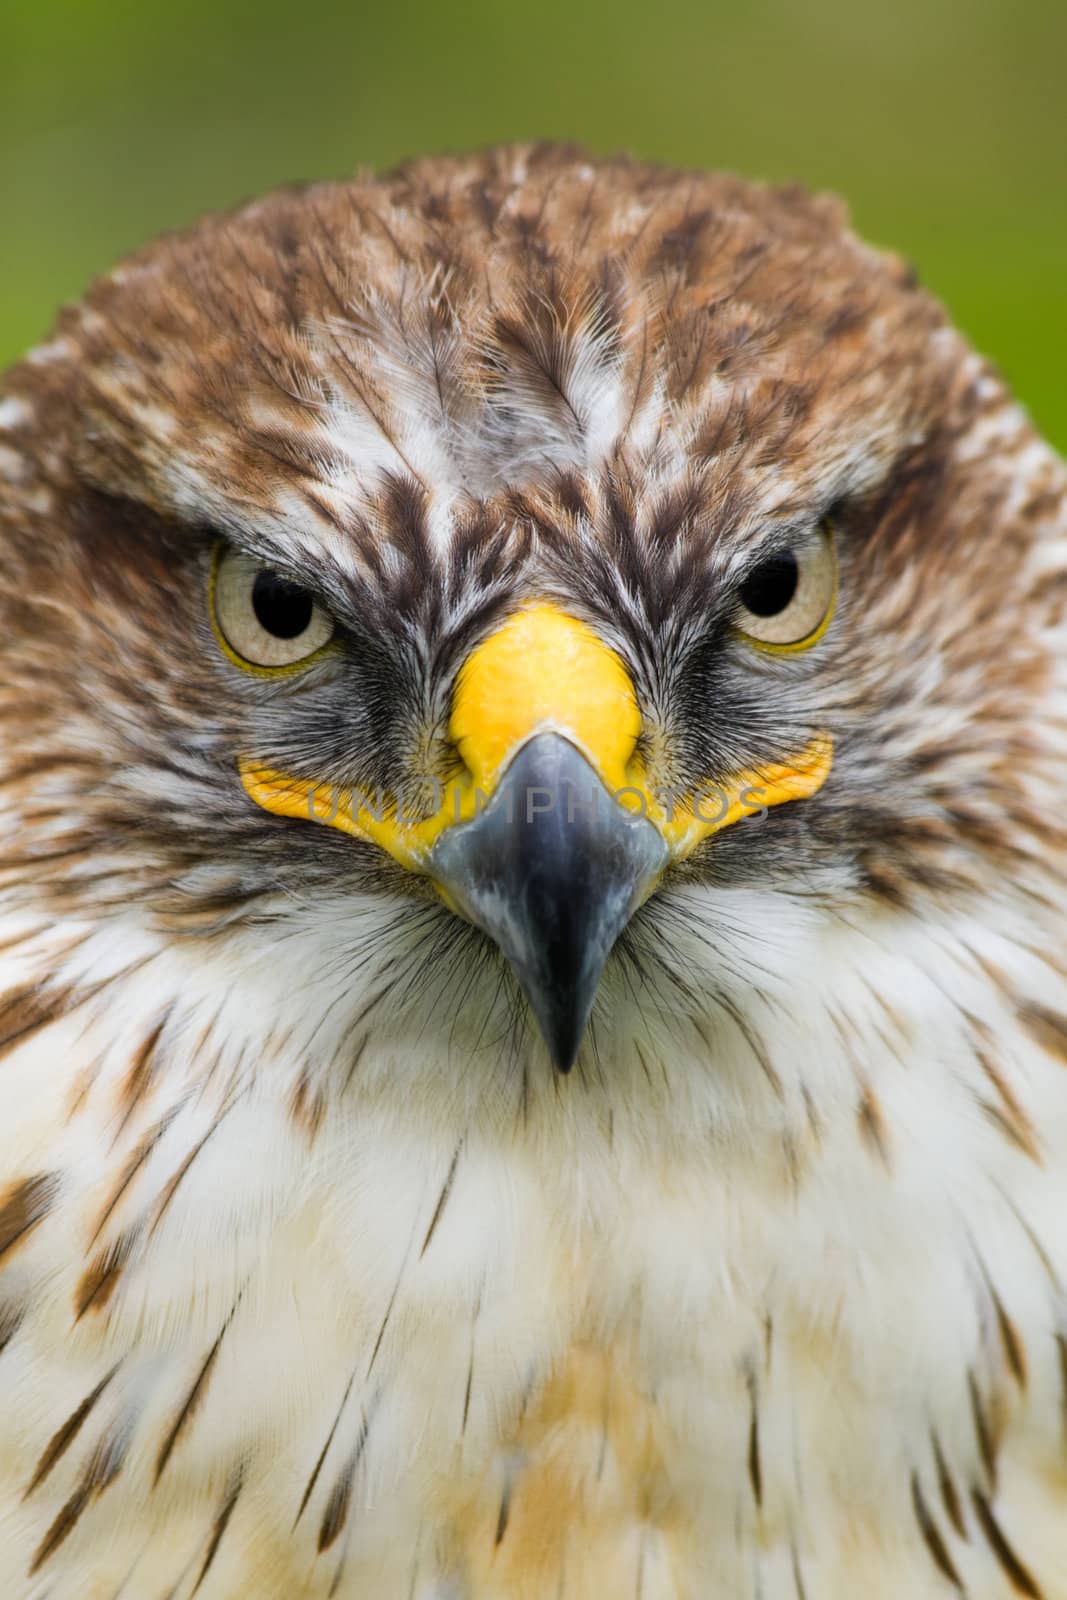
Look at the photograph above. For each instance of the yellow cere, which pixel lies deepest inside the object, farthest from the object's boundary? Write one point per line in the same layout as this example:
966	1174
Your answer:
542	671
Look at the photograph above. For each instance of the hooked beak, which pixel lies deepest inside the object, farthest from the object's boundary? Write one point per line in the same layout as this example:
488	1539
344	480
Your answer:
529	839
552	870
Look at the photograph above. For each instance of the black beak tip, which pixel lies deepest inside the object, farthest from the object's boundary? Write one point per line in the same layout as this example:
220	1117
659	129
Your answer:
562	1032
563	1057
552	885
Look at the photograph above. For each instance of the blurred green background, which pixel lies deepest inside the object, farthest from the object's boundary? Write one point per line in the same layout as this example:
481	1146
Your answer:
944	122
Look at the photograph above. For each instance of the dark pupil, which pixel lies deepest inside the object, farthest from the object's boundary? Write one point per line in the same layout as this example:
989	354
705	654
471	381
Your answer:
770	588
282	608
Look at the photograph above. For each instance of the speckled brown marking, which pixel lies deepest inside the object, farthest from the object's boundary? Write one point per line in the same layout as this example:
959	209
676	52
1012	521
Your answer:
755	1467
1016	1134
1011	1339
103	1468
25	1011
386	1318
80	1088
982	1431
307	1107
932	1535
218	1530
1061	1352
1008	1115
101	1278
1017	1574
64	1436
442	1200
950	1498
872	1124
193	1400
337	1506
309	1487
11	1320
138	1156
139	1076
61	1528
1048	1027
470	1367
23	1205
173	1183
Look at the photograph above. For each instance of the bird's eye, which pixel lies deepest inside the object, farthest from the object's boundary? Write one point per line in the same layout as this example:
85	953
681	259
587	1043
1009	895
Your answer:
786	602
264	622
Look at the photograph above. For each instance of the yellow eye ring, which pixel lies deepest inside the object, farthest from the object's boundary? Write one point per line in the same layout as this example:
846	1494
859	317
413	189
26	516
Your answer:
241	633
809	604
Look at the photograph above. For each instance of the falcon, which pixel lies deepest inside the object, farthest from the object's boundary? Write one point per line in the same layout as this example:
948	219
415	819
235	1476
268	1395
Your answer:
534	999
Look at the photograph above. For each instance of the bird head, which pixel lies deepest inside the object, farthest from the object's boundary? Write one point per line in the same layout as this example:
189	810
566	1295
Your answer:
536	603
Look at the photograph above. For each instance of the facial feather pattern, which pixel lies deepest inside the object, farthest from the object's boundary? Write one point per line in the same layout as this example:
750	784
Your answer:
316	1277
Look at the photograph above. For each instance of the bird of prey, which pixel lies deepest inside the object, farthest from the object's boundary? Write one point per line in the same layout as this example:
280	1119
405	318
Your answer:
534	1000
